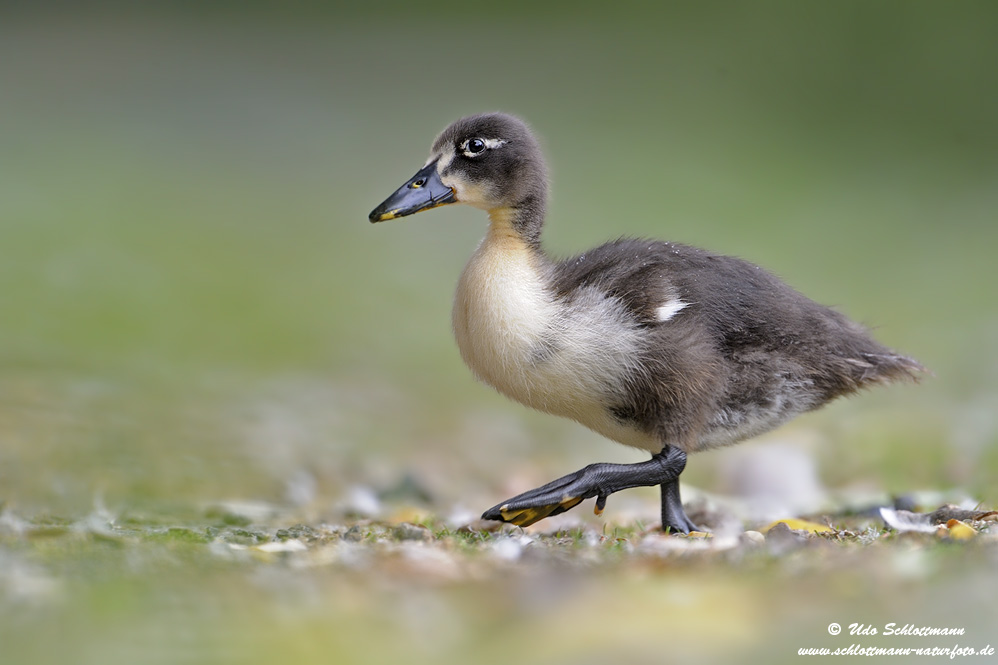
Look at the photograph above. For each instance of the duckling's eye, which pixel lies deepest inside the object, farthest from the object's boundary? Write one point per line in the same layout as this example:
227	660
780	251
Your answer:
475	146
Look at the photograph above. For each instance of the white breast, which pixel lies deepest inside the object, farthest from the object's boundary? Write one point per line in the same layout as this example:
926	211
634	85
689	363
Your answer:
562	357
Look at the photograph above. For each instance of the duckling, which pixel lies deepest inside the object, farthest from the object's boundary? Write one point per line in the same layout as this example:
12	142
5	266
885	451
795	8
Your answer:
656	345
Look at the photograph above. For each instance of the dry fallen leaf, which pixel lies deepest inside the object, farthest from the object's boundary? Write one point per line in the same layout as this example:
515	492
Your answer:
957	530
799	525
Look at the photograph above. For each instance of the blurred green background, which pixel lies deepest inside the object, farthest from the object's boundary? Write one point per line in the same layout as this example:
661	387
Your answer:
194	308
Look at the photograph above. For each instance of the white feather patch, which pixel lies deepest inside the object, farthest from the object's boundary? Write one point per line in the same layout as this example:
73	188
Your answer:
670	309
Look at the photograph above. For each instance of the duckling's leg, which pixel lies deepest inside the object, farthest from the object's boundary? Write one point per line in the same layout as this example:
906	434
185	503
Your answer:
673	516
596	480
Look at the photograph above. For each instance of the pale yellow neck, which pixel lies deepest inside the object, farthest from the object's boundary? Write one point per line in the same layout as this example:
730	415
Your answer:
501	222
504	236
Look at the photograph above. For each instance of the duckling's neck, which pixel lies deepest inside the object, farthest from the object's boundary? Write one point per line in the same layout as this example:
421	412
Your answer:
524	220
503	304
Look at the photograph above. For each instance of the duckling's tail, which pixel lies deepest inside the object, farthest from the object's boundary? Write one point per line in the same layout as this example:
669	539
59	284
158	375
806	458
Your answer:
886	367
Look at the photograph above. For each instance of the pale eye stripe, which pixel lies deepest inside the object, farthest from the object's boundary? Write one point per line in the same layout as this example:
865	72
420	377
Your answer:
670	309
490	144
443	160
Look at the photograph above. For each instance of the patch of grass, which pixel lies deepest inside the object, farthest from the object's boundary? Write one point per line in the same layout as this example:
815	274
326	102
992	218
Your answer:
179	535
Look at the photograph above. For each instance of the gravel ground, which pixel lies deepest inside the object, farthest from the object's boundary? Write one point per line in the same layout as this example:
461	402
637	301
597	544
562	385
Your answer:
252	583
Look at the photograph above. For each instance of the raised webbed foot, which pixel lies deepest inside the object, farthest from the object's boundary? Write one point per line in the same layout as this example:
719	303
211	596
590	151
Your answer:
595	480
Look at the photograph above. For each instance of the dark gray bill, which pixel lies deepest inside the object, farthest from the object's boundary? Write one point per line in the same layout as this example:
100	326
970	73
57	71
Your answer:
422	192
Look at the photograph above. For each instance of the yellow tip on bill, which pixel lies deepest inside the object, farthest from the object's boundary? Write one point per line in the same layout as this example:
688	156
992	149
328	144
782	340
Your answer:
385	216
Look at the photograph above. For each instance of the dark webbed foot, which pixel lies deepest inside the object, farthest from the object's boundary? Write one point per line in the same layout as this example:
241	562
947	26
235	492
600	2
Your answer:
595	480
674	518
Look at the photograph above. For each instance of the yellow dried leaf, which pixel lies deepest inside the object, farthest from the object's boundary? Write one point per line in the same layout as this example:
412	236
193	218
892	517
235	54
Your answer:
799	525
958	530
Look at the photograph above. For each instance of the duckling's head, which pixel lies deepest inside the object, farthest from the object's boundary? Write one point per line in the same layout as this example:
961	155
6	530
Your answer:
490	161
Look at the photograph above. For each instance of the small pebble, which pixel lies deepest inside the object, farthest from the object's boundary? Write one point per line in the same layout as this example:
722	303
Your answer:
354	534
407	531
782	539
